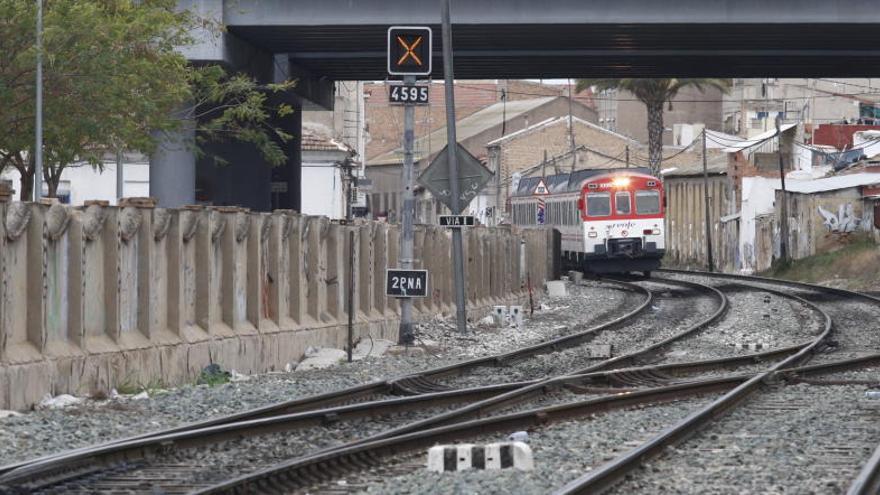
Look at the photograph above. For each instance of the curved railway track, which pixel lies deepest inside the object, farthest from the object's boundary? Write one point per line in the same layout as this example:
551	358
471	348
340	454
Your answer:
407	385
609	474
439	414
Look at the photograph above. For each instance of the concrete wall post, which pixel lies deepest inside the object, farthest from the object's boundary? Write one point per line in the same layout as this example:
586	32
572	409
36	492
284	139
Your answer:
60	302
297	244
392	246
259	286
380	264
336	240
209	272
421	262
366	270
278	304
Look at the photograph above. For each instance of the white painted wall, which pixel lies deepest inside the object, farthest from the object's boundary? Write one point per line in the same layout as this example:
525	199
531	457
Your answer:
323	190
758	195
83	182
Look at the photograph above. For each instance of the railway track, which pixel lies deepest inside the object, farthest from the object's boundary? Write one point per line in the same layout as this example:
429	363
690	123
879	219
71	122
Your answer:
412	384
612	384
79	464
848	331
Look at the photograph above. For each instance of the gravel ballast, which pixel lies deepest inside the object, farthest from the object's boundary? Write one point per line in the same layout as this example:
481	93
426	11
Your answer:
674	309
793	439
562	452
43	432
755	321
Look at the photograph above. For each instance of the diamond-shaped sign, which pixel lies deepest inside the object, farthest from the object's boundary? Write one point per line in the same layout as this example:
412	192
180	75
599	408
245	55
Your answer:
472	176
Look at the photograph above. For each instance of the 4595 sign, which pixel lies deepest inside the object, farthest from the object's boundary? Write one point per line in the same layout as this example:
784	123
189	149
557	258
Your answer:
400	94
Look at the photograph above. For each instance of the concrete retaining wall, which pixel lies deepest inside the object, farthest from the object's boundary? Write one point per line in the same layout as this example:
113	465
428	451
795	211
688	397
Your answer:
98	296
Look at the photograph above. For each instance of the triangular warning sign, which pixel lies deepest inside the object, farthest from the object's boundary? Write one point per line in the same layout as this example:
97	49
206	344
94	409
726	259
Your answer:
541	189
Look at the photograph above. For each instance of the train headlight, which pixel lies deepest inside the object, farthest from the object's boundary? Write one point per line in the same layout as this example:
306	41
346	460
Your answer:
651	232
620	182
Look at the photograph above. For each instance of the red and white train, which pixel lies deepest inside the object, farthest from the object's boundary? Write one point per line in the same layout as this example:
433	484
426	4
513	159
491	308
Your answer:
611	220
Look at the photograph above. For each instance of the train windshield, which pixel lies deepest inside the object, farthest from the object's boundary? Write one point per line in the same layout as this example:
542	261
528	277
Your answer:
598	204
621	202
647	202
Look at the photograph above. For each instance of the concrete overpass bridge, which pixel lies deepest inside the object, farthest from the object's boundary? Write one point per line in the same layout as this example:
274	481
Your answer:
320	41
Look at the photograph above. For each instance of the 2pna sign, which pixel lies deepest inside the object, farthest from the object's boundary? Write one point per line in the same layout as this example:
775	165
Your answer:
409	51
406	283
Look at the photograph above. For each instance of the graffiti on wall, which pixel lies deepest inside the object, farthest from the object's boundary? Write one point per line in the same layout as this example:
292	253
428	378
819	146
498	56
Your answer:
842	223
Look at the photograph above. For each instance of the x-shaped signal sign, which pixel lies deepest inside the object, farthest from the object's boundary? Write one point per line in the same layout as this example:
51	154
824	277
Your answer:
409	47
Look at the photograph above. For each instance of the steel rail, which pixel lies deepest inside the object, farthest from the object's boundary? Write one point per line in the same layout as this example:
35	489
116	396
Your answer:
613	471
773	281
868	480
140	447
298	473
529	391
381	387
722	308
291	474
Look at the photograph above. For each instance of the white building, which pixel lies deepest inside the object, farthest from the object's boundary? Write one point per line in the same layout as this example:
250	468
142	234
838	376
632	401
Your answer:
82	182
325	164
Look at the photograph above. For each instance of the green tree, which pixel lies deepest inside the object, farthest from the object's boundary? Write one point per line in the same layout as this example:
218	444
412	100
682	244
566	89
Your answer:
654	93
114	78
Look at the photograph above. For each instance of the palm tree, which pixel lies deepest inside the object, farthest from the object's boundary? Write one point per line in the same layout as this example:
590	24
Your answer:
654	93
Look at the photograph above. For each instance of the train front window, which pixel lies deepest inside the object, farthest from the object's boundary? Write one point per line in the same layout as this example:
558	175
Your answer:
598	204
647	202
621	203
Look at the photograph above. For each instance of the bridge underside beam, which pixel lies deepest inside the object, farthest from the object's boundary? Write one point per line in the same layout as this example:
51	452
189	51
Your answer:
590	50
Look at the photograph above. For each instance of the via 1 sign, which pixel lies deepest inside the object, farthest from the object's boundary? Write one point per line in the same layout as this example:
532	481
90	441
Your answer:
456	221
406	283
408	94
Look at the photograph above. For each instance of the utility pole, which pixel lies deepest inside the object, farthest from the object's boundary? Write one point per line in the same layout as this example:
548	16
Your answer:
407	336
120	174
38	146
627	156
706	201
457	251
571	129
348	222
783	224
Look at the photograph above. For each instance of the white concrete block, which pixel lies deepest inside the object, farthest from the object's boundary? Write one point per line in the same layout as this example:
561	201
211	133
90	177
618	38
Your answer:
516	316
556	288
499	313
503	455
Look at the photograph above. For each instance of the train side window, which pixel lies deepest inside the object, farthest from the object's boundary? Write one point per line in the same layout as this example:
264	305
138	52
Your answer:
598	204
622	203
647	202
